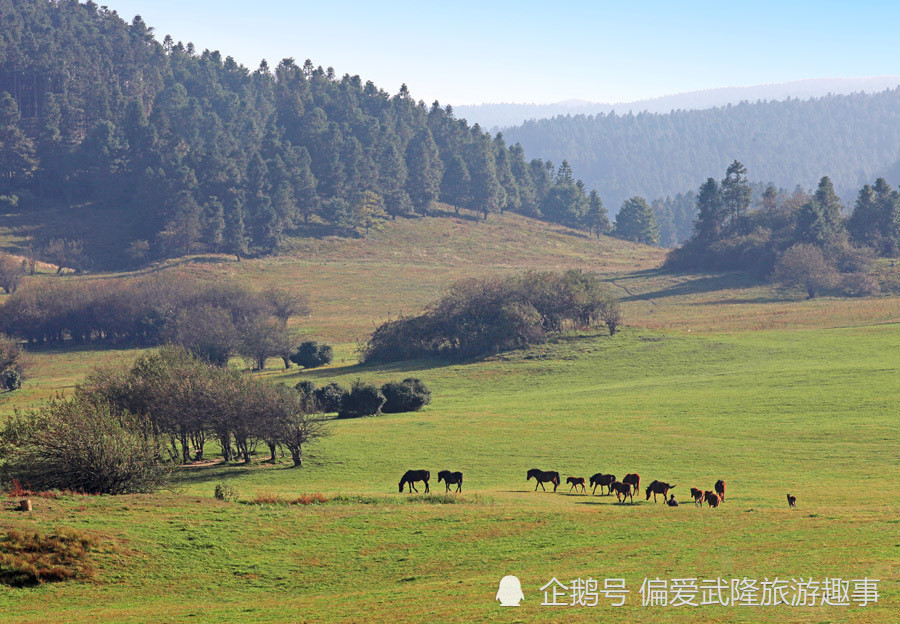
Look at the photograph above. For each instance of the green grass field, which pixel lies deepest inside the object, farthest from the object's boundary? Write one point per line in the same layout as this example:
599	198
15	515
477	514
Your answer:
714	377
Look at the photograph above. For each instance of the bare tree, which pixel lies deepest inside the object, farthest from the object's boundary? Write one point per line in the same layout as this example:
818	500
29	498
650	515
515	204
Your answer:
11	273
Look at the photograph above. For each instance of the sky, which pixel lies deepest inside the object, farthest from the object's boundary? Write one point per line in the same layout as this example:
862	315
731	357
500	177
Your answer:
541	52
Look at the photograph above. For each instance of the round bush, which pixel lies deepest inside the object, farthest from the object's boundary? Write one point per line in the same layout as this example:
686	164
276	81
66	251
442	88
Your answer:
364	399
311	354
409	395
330	397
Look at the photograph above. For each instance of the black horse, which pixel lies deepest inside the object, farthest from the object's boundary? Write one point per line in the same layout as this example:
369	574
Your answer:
451	477
415	475
658	487
543	477
622	490
602	480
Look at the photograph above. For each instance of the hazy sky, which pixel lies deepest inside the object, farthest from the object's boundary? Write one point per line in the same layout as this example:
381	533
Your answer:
490	51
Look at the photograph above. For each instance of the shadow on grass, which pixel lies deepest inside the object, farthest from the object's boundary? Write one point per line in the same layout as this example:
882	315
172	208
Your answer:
696	286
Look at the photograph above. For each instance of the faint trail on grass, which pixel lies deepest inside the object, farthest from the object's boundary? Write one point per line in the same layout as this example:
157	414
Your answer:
631	294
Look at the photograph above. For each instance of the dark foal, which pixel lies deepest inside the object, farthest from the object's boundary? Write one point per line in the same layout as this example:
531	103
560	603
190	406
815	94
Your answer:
449	478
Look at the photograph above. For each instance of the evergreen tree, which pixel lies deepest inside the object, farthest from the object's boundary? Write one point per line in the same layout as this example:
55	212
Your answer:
236	240
214	224
736	196
456	184
486	189
710	224
597	218
636	222
17	153
425	170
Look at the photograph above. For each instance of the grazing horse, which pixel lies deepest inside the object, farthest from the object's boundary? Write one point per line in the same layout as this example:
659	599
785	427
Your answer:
543	477
720	489
711	498
792	501
451	477
601	480
634	480
659	487
576	481
697	495
621	489
411	476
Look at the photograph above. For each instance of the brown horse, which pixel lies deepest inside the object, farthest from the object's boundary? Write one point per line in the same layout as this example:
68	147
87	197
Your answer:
576	481
697	495
659	487
415	475
720	489
622	490
792	501
450	477
634	480
711	498
543	477
602	480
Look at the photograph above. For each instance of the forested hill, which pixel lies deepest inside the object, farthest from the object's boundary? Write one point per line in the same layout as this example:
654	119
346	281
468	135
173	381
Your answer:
851	138
196	152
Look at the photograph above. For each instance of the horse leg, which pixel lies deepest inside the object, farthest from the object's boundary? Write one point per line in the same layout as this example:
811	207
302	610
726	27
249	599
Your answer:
413	487
459	486
426	486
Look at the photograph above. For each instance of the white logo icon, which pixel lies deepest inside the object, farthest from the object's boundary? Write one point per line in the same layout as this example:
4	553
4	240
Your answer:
510	592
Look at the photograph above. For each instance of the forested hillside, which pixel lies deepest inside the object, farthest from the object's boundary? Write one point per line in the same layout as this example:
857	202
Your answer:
194	152
853	139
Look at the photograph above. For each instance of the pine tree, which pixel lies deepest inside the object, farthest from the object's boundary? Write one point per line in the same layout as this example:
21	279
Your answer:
17	153
425	170
456	184
710	224
597	218
236	240
736	196
636	222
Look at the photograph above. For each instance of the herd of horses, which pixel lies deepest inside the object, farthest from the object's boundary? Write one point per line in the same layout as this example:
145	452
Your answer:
623	489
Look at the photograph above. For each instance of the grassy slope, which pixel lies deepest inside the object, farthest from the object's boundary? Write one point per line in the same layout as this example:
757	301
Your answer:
687	394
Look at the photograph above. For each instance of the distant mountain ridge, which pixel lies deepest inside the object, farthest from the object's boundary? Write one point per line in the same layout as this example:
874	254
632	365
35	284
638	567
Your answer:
502	115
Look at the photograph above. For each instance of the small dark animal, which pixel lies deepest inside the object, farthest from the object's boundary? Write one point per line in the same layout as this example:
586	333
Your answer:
602	480
622	490
672	502
658	487
576	481
415	475
451	477
792	501
634	480
543	477
711	498
720	489
697	495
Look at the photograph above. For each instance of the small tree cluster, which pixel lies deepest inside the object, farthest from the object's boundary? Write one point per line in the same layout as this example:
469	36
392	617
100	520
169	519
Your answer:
189	402
213	321
482	316
11	273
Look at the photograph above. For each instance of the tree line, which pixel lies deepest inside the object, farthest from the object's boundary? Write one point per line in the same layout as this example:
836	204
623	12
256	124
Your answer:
201	153
214	321
789	235
482	316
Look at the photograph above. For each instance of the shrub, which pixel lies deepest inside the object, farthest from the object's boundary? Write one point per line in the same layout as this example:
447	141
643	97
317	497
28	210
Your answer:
30	558
10	379
225	492
409	395
311	354
859	285
364	399
306	389
330	397
482	316
805	266
11	364
85	446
